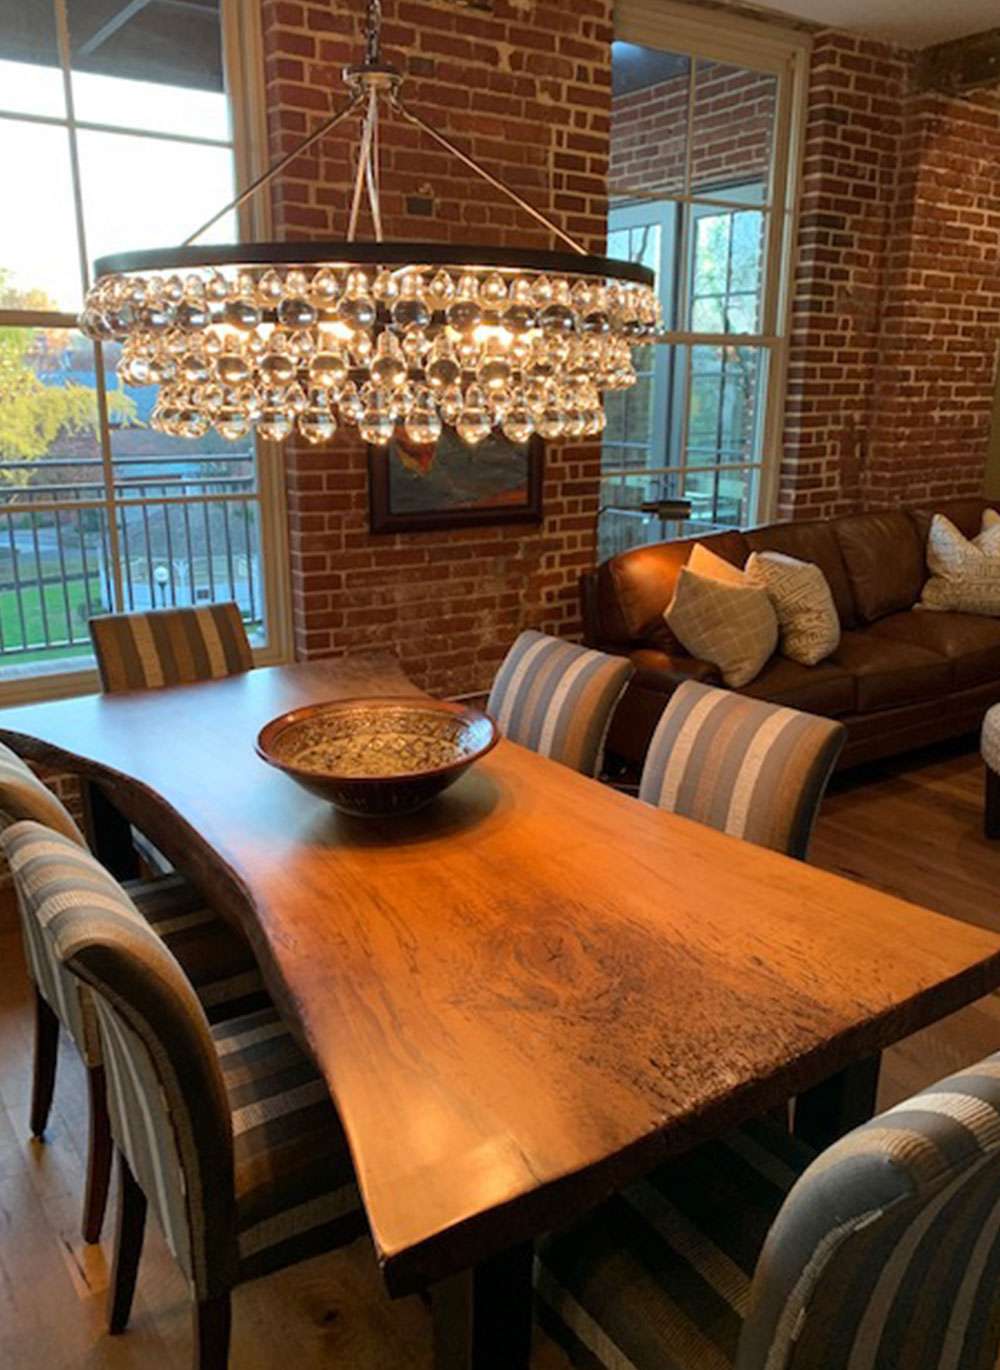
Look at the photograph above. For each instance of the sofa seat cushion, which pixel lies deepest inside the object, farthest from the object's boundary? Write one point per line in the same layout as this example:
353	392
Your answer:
888	672
826	689
970	641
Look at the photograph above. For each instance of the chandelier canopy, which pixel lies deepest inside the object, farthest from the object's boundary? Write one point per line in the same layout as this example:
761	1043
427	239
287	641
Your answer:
304	337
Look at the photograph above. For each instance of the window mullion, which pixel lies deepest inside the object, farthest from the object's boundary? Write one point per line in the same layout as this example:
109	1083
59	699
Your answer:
104	428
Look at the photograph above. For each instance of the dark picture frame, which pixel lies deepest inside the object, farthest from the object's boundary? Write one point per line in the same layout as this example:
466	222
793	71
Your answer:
414	489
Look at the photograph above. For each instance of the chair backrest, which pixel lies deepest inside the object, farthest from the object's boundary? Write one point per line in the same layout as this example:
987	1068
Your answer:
169	647
558	698
751	769
23	796
886	1252
169	1113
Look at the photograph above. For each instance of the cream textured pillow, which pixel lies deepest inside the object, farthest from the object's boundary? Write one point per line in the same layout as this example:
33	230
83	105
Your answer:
807	615
704	562
991	519
732	626
965	574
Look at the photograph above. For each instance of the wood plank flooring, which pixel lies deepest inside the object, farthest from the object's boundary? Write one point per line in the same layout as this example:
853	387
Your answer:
912	827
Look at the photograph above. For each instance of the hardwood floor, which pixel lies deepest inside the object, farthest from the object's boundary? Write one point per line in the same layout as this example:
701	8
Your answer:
911	827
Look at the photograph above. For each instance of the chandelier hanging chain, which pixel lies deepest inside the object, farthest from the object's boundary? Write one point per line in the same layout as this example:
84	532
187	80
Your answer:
373	34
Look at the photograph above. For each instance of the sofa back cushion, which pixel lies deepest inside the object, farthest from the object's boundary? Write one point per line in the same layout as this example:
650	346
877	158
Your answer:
816	542
965	514
884	557
634	588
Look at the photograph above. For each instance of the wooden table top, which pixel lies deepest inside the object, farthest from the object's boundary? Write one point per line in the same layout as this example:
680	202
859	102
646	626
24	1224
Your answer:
533	991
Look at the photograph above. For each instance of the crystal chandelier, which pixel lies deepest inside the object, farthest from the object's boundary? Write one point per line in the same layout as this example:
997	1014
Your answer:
306	337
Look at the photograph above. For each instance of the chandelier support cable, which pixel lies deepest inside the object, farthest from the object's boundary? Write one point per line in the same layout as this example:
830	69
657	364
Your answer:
485	175
267	176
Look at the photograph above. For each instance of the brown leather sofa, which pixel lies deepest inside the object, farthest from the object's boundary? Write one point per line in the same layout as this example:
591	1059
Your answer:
899	679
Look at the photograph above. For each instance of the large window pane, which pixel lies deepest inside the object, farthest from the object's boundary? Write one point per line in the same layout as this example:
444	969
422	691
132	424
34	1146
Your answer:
147	105
175	44
190	551
649	120
145	192
50	448
732	129
30	88
39	256
726	269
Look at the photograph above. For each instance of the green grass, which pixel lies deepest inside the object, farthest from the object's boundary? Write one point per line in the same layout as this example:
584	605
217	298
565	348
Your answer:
55	613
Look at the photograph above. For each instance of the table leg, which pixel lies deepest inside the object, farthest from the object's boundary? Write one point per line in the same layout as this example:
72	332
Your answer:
483	1317
833	1108
111	834
991	816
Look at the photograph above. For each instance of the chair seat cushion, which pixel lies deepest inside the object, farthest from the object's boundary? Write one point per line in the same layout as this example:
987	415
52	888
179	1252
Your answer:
658	1278
216	958
888	673
294	1181
970	641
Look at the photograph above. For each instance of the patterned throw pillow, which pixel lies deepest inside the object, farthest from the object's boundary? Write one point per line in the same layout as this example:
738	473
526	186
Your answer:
965	573
732	626
807	615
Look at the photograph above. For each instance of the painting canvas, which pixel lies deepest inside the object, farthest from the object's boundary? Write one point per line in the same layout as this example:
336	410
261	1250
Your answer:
449	485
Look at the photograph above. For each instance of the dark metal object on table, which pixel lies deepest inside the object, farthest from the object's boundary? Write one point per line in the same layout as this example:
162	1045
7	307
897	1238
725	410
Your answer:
377	757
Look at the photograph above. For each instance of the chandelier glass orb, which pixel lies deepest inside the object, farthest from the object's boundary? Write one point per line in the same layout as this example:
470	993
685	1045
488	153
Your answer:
309	337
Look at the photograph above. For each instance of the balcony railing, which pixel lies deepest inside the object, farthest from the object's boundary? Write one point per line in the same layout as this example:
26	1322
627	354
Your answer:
186	532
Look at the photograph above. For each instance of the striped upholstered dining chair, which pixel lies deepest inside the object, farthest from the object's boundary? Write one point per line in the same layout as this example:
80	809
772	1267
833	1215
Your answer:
227	1132
558	698
882	1253
749	768
145	651
216	959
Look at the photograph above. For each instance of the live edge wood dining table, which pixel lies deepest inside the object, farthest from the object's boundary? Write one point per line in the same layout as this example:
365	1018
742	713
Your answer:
525	996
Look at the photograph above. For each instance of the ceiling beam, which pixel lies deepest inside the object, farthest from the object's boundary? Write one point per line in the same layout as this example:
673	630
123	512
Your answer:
112	26
963	64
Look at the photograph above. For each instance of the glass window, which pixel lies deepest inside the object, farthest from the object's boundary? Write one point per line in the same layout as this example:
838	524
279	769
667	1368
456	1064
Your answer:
98	512
693	195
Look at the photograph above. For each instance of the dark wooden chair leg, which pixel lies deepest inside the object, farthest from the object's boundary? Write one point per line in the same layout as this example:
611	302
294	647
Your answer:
128	1247
46	1054
991	815
99	1152
212	1325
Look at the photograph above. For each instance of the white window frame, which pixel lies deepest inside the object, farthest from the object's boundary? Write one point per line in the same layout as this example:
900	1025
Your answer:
244	72
784	53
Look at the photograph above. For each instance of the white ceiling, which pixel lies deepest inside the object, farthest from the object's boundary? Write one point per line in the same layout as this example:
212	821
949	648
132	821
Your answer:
907	23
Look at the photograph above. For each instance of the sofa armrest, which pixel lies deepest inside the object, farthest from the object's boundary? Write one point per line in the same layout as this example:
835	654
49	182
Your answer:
656	670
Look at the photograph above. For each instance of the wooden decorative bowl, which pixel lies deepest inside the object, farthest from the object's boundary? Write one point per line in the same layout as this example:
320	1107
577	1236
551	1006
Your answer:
377	756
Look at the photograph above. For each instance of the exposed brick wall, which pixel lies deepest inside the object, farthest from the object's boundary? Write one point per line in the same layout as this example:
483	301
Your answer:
934	382
853	145
896	311
527	88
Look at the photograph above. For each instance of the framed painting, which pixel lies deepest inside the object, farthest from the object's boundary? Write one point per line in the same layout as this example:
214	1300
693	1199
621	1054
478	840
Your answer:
415	487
